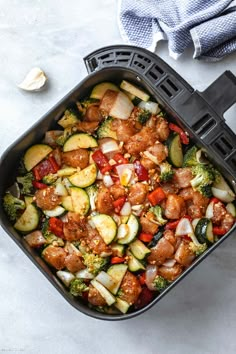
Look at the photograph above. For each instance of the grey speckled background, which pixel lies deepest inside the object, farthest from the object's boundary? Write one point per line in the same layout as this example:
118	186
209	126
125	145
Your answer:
198	316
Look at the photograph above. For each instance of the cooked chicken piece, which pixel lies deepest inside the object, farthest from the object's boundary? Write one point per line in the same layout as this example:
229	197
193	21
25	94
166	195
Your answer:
76	158
170	236
147	225
196	203
170	273
130	288
184	255
93	114
175	207
158	150
169	188
161	252
140	141
95	298
148	164
117	191
75	228
74	263
104	202
125	129
96	243
182	177
87	127
138	193
47	199
55	256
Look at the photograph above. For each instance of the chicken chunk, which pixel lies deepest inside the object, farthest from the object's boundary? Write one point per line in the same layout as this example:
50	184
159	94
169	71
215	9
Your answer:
47	199
158	150
95	298
137	193
76	158
117	191
75	228
74	263
182	177
130	288
93	114
55	256
148	226
161	252
104	202
175	207
170	273
184	255
125	129
140	141
96	243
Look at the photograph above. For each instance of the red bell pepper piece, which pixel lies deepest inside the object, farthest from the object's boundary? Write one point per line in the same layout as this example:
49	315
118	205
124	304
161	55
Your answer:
45	167
141	171
219	231
39	185
156	196
56	226
144	298
118	204
120	159
142	278
184	138
145	237
102	161
171	225
117	260
215	200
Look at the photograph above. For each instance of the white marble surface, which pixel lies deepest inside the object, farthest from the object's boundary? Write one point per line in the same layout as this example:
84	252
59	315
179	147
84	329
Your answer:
199	315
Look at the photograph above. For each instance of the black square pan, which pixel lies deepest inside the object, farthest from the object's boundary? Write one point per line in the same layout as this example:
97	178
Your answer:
200	114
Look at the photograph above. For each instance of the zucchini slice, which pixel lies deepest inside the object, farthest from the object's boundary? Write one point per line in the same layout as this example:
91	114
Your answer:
80	200
174	145
117	272
100	89
58	211
139	250
35	154
29	220
106	227
127	86
110	299
122	305
203	231
28	199
80	140
133	263
85	177
67	171
118	250
133	225
67	203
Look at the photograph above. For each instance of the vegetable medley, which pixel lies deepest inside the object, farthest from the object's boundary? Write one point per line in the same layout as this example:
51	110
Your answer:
117	200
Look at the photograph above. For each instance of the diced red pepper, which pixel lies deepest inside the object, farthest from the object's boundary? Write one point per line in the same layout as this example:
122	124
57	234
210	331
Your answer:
102	161
188	217
215	200
120	159
141	171
219	231
171	225
142	278
187	238
85	295
144	298
45	167
117	260
56	226
156	196
118	204
39	185
184	138
145	237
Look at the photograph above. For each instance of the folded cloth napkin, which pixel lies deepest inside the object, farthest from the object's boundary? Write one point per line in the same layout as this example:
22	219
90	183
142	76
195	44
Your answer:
209	24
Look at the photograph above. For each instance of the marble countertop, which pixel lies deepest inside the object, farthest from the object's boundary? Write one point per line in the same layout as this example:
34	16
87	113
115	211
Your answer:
198	316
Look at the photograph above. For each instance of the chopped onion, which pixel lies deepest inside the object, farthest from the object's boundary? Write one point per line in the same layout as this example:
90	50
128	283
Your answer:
107	180
99	175
226	196
84	274
122	107
70	248
184	227
169	263
210	210
51	136
64	217
109	145
125	173
151	157
150	275
150	106
126	209
123	231
60	189
106	280
195	221
65	277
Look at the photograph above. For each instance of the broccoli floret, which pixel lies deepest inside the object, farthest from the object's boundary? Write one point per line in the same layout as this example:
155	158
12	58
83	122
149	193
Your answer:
157	211
167	172
92	192
197	248
205	190
143	116
160	283
83	105
190	157
50	237
70	118
77	287
50	179
26	186
12	206
105	129
66	134
94	263
204	176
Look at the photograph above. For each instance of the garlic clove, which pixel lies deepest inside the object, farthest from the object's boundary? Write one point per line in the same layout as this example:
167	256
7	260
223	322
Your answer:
34	80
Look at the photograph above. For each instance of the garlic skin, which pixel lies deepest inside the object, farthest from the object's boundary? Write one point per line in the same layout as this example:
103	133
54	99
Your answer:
34	80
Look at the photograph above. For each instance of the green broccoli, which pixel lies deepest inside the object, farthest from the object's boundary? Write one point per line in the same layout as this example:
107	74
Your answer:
167	172
160	283
157	211
77	287
26	186
12	206
50	237
105	130
94	263
197	248
190	157
50	179
143	116
66	134
83	105
204	176
92	192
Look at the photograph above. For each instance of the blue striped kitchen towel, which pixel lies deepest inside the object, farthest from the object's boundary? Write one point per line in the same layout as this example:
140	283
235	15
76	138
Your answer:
210	25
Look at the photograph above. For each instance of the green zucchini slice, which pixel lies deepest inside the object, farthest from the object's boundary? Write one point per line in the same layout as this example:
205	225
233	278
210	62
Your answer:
80	140
203	231
117	272
29	220
133	229
100	89
85	177
80	200
137	92
134	264
58	211
35	154
175	151
139	250
106	227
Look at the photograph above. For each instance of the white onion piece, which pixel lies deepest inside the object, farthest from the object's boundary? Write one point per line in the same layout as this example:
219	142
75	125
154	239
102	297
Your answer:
195	221
151	157
60	189
210	210
122	107
70	248
99	175
122	231
184	227
169	263
107	180
126	209
64	217
150	274
109	146
65	277
117	219
84	274
106	280
150	106
125	173
226	196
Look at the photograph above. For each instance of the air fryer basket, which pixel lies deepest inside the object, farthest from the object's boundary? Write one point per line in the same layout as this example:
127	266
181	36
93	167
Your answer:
200	114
